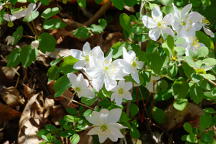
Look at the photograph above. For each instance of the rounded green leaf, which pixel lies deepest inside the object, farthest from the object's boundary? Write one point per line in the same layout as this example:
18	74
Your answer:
47	42
49	12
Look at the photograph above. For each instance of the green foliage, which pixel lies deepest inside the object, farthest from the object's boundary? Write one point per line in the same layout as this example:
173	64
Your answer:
49	12
46	42
53	23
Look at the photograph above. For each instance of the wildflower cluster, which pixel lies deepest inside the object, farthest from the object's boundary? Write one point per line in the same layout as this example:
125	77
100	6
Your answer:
102	71
180	23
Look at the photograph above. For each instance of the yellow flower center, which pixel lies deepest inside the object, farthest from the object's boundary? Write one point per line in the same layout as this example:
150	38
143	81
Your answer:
120	91
200	71
205	21
196	43
106	68
134	64
77	89
86	58
103	128
183	23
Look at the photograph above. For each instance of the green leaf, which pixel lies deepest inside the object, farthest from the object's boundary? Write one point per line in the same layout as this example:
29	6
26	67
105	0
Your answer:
125	21
205	121
208	76
88	101
187	69
180	104
158	115
17	34
130	3
45	2
61	85
54	23
67	65
134	109
28	55
196	94
53	72
192	138
119	4
209	61
13	59
31	17
134	132
49	12
187	127
46	42
70	118
81	33
205	39
180	88
201	52
210	110
98	1
155	61
81	3
180	51
99	28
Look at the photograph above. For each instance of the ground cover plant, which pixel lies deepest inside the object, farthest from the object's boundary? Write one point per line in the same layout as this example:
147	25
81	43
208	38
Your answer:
107	71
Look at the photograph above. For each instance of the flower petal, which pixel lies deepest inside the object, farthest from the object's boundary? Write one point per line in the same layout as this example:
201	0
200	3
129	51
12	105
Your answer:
109	83
156	13
114	115
86	48
208	32
79	65
154	34
149	22
76	53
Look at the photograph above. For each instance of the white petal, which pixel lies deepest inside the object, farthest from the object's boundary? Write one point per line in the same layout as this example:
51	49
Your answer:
186	10
8	17
127	95
113	96
114	115
156	13
168	19
208	32
195	17
76	53
149	22
108	59
102	138
135	76
118	100
86	48
97	52
168	31
140	64
109	83
97	83
128	86
93	131
72	77
79	65
154	34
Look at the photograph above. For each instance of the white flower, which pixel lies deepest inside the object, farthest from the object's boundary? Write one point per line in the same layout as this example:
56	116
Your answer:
105	124
184	22
104	71
10	40
190	44
204	24
121	91
80	85
130	64
157	24
84	56
24	13
35	44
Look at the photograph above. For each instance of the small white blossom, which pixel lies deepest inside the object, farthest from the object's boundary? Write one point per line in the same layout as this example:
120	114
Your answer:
10	40
84	56
104	71
157	24
35	44
121	91
24	13
130	64
105	124
80	85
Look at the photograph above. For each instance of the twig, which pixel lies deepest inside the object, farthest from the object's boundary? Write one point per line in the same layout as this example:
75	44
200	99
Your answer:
212	82
74	101
98	14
